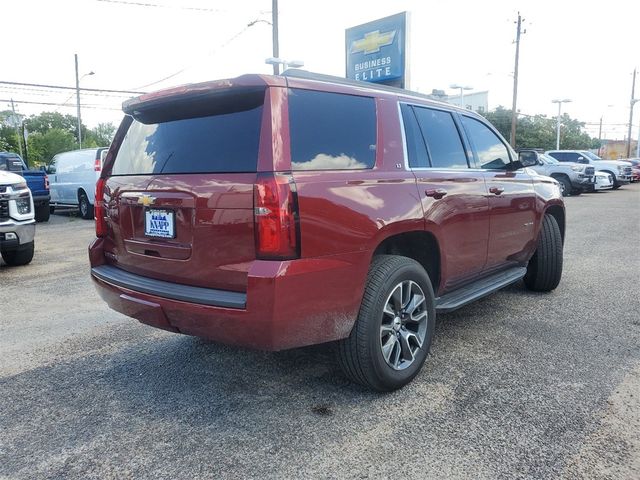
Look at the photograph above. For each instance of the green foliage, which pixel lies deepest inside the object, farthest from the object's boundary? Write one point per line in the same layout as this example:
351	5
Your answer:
51	133
8	135
43	146
101	135
538	131
46	121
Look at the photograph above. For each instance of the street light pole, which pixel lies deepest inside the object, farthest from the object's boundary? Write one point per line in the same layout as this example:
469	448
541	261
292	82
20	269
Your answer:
78	101
78	104
633	102
274	33
559	102
462	88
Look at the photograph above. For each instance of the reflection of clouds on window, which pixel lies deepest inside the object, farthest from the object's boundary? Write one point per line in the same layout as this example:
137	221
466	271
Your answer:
495	154
134	154
322	161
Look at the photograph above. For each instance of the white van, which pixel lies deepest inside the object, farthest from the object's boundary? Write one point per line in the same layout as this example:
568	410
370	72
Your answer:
72	179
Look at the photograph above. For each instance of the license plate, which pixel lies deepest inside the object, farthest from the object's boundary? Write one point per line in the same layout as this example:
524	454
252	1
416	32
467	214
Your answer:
159	223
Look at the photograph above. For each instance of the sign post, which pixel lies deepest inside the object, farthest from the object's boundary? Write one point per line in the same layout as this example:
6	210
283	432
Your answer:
377	51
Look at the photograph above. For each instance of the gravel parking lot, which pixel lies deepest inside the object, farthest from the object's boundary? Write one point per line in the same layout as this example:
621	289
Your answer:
519	385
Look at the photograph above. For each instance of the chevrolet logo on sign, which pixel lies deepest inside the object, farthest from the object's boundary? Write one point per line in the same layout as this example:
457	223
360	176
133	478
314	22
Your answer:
372	42
146	200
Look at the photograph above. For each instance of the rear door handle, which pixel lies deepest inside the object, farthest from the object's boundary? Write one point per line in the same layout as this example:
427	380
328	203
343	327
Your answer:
436	193
496	190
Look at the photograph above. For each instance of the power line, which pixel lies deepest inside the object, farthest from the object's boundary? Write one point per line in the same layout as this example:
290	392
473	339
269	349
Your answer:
158	5
48	91
89	105
71	88
227	42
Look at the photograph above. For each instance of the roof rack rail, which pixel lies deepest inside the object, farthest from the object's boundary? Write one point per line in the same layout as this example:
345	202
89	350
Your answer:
321	77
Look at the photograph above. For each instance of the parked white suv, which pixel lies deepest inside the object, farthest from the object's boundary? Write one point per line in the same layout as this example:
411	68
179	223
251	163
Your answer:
620	171
17	222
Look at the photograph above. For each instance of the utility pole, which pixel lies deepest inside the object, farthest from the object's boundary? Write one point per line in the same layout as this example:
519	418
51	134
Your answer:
15	119
78	104
274	30
631	104
514	114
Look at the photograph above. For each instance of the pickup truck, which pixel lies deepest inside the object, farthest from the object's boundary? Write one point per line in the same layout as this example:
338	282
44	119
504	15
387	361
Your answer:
574	178
17	225
276	212
37	180
619	170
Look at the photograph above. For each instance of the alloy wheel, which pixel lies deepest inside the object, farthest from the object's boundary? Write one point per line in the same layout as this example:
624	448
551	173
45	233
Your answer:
404	324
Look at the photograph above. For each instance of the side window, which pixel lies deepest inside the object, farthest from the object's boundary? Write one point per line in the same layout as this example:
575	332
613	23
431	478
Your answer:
442	138
331	131
492	153
416	150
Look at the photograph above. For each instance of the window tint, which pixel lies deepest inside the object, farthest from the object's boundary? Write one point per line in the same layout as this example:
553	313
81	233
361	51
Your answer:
331	131
492	153
416	150
222	143
442	138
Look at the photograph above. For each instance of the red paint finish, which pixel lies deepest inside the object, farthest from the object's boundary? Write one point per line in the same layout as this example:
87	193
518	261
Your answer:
344	215
459	220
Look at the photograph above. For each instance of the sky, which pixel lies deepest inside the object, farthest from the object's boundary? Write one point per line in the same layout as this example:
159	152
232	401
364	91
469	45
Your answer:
581	51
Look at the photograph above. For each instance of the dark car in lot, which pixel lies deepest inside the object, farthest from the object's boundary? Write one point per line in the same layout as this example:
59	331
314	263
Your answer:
280	211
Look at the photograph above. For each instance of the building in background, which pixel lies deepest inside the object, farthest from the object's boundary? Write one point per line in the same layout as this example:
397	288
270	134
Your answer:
616	149
476	101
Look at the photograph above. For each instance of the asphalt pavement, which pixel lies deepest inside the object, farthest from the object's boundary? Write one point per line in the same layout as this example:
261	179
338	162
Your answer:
518	385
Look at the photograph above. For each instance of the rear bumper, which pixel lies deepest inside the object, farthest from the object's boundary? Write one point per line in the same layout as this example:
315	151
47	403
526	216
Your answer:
288	304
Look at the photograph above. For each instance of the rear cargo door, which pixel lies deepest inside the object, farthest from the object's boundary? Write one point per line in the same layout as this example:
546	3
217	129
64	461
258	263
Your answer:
180	193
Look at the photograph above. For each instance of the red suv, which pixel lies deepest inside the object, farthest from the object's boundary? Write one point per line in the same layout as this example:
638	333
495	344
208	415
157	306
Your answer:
280	211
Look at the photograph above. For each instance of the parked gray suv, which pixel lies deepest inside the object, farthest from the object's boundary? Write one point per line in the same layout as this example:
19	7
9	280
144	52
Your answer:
574	178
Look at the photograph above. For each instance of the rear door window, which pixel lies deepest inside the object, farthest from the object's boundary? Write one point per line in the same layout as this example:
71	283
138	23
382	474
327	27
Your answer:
331	131
442	137
416	149
226	142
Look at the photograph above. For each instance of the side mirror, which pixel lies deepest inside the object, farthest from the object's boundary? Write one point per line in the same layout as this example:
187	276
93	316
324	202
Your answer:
50	169
527	159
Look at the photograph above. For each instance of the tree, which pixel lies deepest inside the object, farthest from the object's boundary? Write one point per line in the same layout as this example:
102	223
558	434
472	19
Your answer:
8	134
43	146
102	134
46	121
538	131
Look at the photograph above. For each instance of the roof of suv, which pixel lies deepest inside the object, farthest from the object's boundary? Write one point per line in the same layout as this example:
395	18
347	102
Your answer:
291	78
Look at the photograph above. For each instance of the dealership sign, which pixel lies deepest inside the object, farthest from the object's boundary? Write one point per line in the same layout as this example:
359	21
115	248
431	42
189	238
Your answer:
376	51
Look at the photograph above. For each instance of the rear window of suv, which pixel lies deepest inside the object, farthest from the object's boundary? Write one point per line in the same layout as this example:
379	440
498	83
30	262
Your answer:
331	131
224	142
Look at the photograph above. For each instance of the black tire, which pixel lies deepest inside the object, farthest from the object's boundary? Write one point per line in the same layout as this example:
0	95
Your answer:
361	354
52	209
21	256
565	185
43	212
545	267
616	184
84	207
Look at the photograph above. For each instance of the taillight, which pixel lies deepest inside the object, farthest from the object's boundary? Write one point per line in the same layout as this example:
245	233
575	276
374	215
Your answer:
276	217
97	165
46	182
99	210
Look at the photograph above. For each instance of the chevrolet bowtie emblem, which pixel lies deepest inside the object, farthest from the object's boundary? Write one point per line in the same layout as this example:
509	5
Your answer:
146	200
372	42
